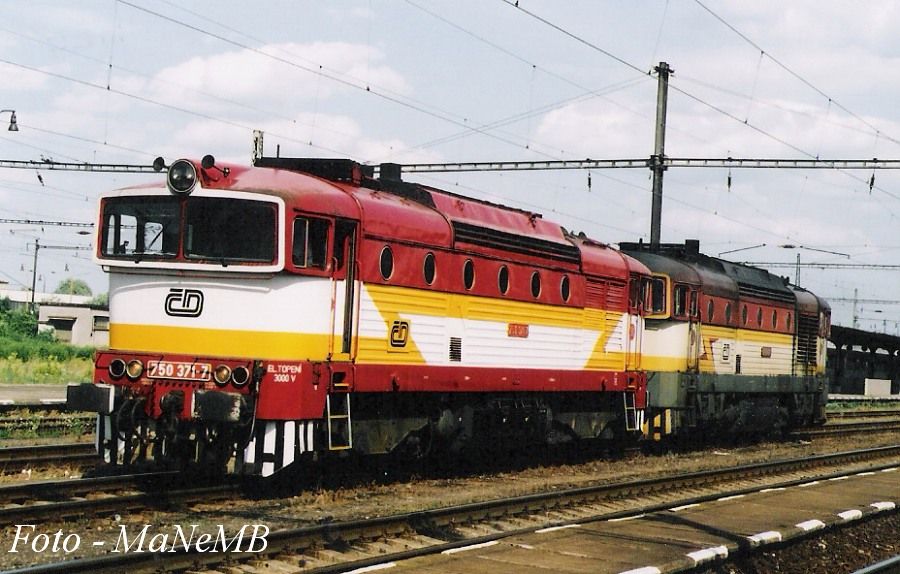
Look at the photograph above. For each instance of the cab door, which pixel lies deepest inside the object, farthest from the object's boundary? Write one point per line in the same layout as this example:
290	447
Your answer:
695	341
635	330
344	290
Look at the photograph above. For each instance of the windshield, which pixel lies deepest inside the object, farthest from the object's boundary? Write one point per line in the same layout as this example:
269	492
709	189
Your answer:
140	226
229	229
218	230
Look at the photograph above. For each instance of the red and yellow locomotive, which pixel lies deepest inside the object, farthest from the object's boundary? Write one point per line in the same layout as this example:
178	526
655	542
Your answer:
268	315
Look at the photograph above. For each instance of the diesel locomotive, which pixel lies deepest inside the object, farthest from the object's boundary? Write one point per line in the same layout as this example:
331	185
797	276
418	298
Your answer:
729	349
296	309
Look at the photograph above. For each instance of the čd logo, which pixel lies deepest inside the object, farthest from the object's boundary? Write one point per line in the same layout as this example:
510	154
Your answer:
399	334
184	303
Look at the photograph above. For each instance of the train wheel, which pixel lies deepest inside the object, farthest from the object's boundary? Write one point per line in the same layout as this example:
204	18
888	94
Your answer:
131	427
215	448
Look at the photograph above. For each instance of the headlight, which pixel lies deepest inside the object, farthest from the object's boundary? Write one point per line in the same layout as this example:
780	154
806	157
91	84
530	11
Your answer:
222	374
116	368
182	177
240	376
134	369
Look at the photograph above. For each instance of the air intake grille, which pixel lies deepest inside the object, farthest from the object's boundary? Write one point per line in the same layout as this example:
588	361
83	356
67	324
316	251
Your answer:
496	239
806	339
456	349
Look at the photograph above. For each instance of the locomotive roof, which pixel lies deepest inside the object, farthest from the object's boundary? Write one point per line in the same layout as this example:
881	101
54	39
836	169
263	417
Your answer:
717	276
390	208
677	270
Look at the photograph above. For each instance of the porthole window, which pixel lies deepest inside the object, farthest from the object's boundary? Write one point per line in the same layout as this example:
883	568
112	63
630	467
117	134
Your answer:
774	319
710	310
787	321
565	288
535	284
759	317
469	274
387	263
744	315
503	279
428	268
728	313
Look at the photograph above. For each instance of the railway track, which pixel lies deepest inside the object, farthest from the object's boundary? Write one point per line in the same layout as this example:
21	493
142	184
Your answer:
17	458
841	429
863	414
341	546
33	502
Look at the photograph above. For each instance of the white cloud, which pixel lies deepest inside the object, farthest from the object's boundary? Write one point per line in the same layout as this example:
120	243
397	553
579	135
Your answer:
267	82
16	79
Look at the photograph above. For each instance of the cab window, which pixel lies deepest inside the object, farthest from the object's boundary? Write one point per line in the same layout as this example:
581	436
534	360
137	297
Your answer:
310	247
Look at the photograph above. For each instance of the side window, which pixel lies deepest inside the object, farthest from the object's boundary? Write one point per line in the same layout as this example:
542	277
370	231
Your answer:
681	300
535	284
710	310
468	274
310	248
386	263
343	243
503	279
694	309
656	296
429	268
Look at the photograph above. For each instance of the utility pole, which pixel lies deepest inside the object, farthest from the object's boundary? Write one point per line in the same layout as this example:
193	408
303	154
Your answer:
37	246
855	316
659	153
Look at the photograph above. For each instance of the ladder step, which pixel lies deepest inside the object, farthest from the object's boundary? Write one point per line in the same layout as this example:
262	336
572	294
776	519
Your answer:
340	429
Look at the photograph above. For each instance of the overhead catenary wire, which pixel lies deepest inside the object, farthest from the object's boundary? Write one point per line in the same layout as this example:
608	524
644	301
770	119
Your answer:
362	86
795	74
156	79
690	95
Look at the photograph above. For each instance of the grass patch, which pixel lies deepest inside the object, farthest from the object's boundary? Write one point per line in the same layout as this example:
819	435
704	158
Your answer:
28	356
48	370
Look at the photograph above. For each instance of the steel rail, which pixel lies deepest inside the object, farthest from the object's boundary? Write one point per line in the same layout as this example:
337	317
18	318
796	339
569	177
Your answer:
848	428
157	495
13	459
888	566
309	537
862	414
20	492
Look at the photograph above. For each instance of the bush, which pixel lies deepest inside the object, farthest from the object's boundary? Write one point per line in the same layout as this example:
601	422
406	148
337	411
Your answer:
17	323
41	348
30	357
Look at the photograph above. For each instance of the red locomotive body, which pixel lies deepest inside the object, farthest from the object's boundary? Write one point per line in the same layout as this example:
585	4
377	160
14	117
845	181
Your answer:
263	315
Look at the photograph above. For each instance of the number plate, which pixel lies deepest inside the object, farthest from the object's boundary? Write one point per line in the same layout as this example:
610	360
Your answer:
179	370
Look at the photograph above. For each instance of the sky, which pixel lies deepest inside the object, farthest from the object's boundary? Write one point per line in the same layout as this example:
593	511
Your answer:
422	81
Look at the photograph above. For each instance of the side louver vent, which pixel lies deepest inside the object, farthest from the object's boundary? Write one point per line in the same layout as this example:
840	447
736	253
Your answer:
456	349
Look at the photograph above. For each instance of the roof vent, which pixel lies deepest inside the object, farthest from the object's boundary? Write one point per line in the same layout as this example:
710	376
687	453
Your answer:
390	171
692	247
